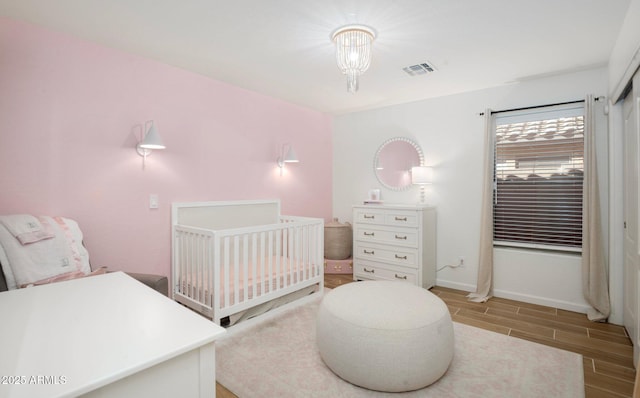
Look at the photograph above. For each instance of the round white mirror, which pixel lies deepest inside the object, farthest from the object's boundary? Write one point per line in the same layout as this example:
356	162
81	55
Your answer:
393	161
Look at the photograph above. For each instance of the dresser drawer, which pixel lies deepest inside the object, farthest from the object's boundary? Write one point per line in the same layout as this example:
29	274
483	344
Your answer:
391	235
401	218
366	216
404	256
367	270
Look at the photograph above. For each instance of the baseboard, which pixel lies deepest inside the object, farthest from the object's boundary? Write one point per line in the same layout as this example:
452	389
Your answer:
456	285
525	298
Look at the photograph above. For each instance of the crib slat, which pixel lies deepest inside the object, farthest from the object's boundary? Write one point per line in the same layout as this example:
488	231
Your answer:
270	259
309	241
207	263
226	292
236	266
181	260
292	255
179	254
200	265
245	267
255	262
263	271
194	268
203	267
286	257
303	253
213	277
300	253
189	268
279	253
309	259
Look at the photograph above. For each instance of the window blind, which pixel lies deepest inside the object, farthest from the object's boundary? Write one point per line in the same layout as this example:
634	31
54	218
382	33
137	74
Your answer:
539	167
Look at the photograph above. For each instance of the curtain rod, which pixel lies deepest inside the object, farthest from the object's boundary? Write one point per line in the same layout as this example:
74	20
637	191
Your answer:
538	106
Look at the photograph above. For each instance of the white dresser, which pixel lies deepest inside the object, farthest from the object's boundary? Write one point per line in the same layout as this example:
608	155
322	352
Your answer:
103	336
395	242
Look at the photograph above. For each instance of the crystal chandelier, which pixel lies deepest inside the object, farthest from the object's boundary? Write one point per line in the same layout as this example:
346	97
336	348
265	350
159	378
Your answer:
353	52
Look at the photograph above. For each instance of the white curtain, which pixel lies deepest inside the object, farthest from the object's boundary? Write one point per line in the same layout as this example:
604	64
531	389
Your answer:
595	279
484	285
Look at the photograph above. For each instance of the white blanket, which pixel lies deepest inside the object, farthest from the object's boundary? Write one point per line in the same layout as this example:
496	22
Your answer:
26	228
43	259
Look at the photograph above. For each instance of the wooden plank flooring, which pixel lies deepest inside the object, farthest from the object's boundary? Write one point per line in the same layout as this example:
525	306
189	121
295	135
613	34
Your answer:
606	349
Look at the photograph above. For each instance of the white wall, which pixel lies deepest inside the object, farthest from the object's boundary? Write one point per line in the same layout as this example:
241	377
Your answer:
450	132
625	56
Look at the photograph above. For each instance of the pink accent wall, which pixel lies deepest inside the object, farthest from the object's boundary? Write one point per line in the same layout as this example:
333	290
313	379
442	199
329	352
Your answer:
67	114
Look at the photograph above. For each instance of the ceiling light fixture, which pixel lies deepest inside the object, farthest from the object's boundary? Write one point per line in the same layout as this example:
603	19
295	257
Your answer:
353	52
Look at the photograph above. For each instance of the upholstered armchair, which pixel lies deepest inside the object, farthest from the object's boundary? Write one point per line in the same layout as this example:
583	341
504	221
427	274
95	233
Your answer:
39	250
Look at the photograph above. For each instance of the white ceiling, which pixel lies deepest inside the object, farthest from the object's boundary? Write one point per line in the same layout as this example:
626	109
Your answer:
282	48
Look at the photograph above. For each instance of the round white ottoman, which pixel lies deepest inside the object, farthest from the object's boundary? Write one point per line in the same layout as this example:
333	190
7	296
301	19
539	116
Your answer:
384	335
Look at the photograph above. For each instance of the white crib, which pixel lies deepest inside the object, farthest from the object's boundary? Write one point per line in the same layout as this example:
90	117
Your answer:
233	260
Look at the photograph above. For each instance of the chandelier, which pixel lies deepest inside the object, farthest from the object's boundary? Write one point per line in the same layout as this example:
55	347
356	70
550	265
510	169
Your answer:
353	52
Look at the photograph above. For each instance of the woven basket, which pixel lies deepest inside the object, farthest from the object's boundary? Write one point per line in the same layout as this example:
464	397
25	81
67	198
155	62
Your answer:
338	240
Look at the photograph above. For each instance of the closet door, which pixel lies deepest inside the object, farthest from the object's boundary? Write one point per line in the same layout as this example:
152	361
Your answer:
631	242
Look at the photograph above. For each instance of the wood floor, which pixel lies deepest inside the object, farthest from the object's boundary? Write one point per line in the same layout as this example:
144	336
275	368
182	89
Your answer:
606	349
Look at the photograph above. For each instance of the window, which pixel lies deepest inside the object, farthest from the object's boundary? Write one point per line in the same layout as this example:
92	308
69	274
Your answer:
538	178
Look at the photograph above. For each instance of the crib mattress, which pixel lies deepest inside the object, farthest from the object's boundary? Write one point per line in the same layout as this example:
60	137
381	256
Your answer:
196	286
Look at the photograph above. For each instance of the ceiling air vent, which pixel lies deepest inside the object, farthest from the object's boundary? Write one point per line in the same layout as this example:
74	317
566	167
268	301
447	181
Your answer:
419	69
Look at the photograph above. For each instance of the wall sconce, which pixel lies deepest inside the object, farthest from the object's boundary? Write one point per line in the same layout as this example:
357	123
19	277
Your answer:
286	157
149	141
421	175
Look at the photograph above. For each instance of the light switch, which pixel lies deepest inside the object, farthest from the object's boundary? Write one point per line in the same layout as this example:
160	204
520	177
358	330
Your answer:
153	201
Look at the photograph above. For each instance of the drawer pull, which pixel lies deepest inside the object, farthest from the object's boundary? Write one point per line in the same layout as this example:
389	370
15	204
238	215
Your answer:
369	234
404	277
369	217
401	218
401	257
369	252
372	271
401	237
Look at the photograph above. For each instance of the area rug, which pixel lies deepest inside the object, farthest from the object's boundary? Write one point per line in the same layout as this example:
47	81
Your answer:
275	355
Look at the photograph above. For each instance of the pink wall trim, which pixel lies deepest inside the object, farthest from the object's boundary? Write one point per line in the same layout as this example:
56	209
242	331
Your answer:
67	112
